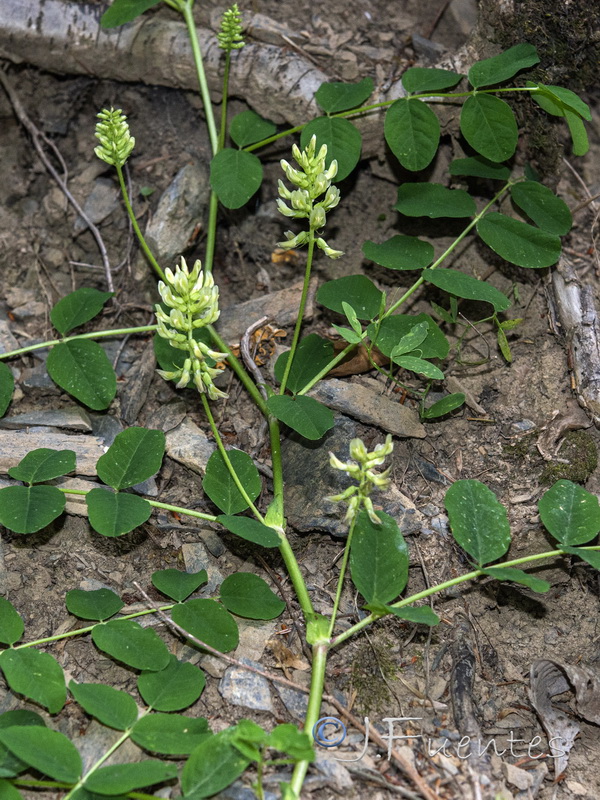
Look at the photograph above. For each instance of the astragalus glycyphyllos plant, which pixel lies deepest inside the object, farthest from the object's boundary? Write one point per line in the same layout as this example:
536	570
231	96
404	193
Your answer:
190	352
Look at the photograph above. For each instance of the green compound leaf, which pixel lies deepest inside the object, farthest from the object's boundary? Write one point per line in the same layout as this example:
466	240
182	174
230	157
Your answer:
358	291
478	520
420	366
170	734
429	79
119	779
570	513
378	558
249	127
7	386
220	486
10	765
123	11
343	140
135	455
208	621
235	176
556	100
394	328
212	766
517	576
110	706
434	200
312	355
177	584
78	308
591	556
336	96
479	167
82	369
47	751
27	509
518	242
126	641
420	615
444	406
412	132
400	252
503	66
456	282
248	595
37	676
489	126
11	623
43	465
173	688
541	205
116	513
250	529
305	415
98	604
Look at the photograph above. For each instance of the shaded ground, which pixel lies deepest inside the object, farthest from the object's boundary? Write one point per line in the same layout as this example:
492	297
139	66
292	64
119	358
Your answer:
397	670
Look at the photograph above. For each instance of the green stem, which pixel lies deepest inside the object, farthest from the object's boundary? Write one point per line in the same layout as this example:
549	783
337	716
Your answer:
287	553
449	249
227	460
223	128
340	357
69	635
211	232
155	504
440	587
298	583
186	10
356	112
309	260
213	204
153	262
315	697
93	335
340	584
112	749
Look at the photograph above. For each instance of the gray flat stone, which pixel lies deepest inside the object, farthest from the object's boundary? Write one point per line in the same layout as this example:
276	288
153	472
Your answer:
369	406
100	202
7	340
309	479
73	418
295	702
180	207
190	446
244	688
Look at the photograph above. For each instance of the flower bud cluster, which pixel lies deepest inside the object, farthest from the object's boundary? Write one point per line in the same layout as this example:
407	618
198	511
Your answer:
230	36
361	470
116	142
193	300
311	181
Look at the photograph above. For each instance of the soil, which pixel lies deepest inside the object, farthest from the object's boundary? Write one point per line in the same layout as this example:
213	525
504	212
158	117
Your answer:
397	670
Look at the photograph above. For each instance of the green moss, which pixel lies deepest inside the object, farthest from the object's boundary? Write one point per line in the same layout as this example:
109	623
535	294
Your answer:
581	455
522	448
371	668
